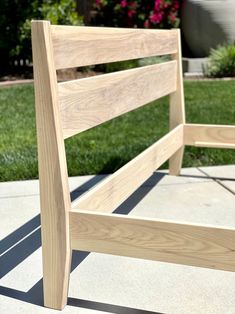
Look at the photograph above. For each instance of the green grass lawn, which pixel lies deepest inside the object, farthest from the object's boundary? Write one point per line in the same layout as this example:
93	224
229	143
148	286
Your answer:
106	148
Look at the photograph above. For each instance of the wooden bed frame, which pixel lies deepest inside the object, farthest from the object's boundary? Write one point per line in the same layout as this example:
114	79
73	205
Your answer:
65	109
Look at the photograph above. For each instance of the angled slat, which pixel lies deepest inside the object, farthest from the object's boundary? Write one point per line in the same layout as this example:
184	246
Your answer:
79	46
111	192
181	243
202	135
85	103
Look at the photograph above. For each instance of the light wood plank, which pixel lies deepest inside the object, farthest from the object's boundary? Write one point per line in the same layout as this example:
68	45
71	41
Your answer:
181	243
85	103
177	109
111	192
76	46
214	145
220	136
54	191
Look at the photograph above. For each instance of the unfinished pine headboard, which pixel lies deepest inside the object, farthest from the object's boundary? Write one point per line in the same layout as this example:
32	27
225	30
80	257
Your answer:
65	109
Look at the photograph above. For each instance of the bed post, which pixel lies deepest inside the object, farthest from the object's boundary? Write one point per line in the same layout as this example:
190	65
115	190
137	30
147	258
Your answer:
177	109
53	177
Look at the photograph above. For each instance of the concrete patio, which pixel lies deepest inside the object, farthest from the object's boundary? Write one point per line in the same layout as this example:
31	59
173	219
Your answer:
109	284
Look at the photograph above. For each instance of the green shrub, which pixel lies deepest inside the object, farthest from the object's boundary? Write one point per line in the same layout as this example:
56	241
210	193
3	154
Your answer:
117	66
12	14
130	64
15	34
57	12
221	62
153	60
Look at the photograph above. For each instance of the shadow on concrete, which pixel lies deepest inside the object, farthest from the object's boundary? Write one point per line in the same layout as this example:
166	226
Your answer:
14	256
126	207
19	234
20	244
86	186
104	307
25	240
35	296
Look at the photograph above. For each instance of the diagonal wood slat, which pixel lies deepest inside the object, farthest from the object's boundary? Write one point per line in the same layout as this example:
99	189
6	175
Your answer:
88	102
110	193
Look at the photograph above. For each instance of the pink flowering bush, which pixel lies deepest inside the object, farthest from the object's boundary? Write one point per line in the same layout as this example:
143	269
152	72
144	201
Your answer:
139	13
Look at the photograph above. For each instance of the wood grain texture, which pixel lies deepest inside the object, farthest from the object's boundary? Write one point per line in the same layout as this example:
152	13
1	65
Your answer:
202	135
65	109
79	46
181	243
177	109
111	192
54	191
214	145
88	102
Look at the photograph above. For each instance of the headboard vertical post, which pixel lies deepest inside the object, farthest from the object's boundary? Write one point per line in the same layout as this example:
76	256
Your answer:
54	191
177	109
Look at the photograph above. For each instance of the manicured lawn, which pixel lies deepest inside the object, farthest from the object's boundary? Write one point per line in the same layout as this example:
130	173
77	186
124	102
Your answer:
109	146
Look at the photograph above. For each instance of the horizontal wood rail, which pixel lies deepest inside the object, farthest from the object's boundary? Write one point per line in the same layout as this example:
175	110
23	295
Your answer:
111	192
214	145
75	46
181	243
202	135
85	103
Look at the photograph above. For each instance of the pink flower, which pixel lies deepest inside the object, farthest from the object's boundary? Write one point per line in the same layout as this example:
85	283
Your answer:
130	13
146	24
155	17
139	13
134	5
172	18
176	5
123	3
157	5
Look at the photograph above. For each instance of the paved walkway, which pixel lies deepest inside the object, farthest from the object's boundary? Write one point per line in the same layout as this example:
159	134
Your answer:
104	283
